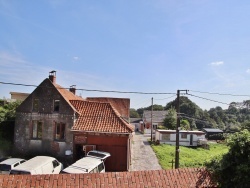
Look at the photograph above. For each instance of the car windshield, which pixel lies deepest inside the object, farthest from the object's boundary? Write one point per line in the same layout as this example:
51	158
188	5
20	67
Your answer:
5	167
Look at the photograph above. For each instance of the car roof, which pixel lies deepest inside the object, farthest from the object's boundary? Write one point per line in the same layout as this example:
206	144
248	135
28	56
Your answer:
98	154
84	165
11	161
34	163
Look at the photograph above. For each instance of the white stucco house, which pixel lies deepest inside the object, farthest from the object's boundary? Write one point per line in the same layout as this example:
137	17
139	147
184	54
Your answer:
186	138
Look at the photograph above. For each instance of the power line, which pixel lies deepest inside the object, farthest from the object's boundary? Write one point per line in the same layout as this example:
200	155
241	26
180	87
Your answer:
9	83
211	93
208	99
166	98
95	90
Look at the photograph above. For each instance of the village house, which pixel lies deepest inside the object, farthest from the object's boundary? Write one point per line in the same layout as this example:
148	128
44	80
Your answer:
157	119
55	121
186	138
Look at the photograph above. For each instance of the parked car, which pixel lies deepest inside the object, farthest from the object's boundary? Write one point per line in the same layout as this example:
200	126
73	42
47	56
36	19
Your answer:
39	165
8	164
92	163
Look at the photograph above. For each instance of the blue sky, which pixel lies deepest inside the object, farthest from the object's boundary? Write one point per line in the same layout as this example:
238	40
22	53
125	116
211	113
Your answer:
143	45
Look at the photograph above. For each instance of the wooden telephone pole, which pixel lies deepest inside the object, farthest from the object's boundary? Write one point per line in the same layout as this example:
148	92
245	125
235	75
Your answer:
177	143
152	121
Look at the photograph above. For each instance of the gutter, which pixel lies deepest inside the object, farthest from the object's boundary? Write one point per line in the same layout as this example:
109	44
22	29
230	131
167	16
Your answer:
98	132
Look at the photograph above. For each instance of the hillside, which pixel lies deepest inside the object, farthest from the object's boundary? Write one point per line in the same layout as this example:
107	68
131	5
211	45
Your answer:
232	119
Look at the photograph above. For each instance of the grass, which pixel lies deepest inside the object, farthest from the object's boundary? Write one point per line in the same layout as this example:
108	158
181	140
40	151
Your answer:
189	157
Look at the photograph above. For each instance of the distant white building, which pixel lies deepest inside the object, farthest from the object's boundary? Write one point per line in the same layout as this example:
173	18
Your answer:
17	96
186	138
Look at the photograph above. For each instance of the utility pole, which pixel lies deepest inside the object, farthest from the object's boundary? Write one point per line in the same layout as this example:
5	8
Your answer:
177	144
177	150
152	121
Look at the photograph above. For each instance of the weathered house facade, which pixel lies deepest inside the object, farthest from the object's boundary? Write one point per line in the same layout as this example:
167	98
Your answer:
49	122
157	119
44	120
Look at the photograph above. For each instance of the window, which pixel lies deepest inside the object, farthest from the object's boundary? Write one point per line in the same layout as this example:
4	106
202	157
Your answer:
59	131
95	170
55	163
56	105
165	136
37	129
35	105
184	136
101	167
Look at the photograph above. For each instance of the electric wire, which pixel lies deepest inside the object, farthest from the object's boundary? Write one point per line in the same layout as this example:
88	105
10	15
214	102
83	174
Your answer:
235	95
166	98
136	92
96	90
208	99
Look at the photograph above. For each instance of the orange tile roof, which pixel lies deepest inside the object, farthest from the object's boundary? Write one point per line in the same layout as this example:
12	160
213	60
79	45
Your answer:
187	177
99	117
66	94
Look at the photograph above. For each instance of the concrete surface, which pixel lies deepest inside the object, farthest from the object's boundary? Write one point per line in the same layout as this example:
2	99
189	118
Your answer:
143	157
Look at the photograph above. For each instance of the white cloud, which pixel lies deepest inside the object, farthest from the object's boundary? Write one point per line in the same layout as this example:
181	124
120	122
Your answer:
76	58
217	63
248	71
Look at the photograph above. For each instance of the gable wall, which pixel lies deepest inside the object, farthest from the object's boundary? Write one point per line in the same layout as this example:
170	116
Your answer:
23	142
46	93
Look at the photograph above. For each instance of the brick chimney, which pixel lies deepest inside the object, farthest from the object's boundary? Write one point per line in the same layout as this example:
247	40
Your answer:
52	76
72	89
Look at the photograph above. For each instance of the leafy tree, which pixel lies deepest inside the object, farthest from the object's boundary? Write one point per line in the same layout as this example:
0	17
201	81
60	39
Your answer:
246	103
170	119
245	125
140	111
185	125
7	120
233	169
133	113
156	107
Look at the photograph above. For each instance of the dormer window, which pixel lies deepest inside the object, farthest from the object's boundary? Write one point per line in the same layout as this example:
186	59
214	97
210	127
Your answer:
56	105
35	105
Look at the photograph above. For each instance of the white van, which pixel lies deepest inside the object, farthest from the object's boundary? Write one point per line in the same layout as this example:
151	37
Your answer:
92	163
8	164
38	165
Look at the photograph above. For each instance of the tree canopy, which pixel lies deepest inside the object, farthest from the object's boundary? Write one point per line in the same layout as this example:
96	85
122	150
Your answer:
233	169
7	120
233	119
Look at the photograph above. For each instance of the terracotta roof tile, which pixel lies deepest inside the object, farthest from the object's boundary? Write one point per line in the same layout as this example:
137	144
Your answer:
66	94
99	117
187	177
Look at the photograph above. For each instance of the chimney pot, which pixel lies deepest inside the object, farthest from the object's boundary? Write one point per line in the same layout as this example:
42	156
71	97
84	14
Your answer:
52	76
72	89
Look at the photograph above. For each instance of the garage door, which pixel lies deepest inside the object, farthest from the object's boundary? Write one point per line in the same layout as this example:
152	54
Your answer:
118	160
